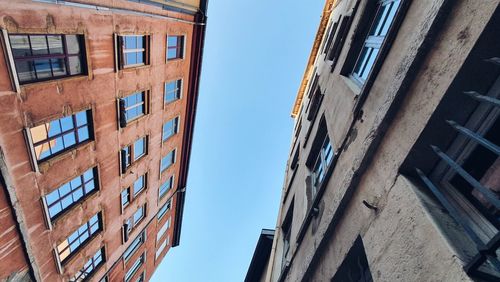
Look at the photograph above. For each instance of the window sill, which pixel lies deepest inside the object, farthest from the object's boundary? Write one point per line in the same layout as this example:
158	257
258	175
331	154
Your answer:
133	121
165	104
56	80
55	222
45	165
131	68
352	85
129	168
175	60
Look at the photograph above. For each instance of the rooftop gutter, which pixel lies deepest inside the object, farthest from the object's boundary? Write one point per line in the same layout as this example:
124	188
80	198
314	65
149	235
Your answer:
193	91
325	16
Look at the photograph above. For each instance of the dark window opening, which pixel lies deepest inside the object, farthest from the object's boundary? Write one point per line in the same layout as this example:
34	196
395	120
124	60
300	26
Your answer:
355	266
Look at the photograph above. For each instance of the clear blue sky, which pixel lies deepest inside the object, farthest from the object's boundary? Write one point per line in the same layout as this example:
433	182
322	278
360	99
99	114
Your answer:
254	59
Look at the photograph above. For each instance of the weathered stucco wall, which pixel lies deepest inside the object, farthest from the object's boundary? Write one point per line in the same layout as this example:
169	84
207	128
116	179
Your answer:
415	245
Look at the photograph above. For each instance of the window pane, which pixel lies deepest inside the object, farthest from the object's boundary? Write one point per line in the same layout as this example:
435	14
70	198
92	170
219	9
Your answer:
73	44
75	66
89	174
140	57
125	197
140	42
67	201
56	145
390	17
77	194
55	44
58	67
20	45
138	215
67	123
25	70
379	19
69	139
369	63
130	42
83	134
52	197
81	118
89	186
172	41
64	190
130	58
42	68
39	45
54	210
139	185
139	148
54	128
172	53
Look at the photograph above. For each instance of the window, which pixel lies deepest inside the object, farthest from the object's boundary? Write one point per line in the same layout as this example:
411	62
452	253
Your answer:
135	267
286	229
133	51
385	15
56	136
125	197
331	33
163	210
139	148
133	221
90	266
314	100
167	161
173	90
455	162
323	161
165	187
355	267
163	230
162	247
132	153
170	128
82	235
175	47
142	277
134	246
39	57
70	193
133	107
140	184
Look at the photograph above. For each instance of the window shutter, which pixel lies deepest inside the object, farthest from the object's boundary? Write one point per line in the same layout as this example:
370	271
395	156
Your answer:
120	54
123	119
146	44
125	232
123	159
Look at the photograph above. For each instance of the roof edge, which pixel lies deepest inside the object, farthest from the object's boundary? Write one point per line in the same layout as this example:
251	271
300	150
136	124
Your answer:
325	16
193	88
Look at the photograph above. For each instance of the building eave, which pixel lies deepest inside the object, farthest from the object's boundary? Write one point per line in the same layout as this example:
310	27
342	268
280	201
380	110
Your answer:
327	10
193	91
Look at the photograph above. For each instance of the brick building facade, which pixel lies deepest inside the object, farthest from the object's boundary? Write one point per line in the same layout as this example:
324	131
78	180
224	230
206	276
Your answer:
97	107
